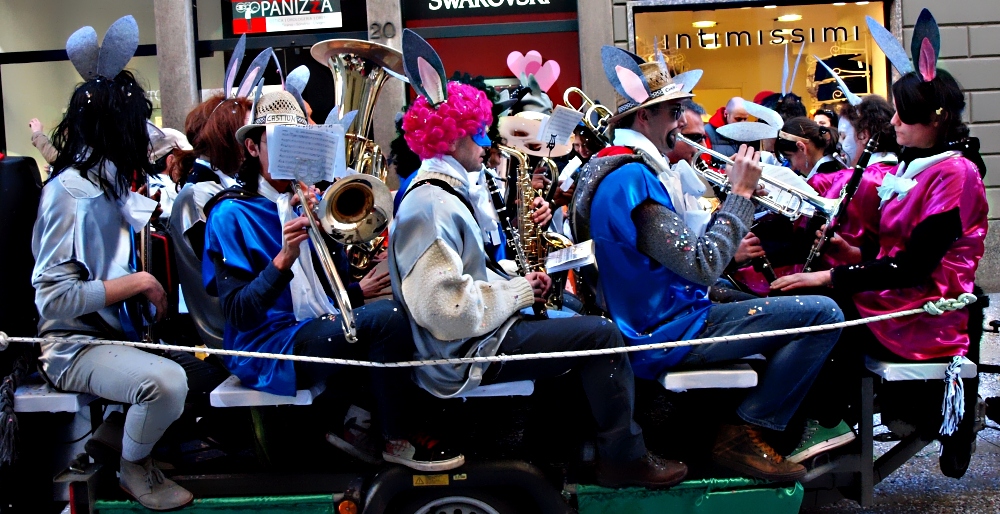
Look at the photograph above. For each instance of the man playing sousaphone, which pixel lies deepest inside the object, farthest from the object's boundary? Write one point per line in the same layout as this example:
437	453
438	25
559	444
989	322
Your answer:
658	253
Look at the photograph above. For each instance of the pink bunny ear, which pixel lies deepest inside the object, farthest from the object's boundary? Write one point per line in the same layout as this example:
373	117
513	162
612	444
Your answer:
928	60
516	62
433	85
632	84
248	83
547	75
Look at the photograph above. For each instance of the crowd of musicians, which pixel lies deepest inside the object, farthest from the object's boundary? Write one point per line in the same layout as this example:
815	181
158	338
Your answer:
688	244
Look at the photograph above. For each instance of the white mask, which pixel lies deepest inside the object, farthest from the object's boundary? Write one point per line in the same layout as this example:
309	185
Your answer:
848	140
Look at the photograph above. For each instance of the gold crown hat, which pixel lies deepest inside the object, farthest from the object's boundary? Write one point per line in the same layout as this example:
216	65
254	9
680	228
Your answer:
640	84
275	108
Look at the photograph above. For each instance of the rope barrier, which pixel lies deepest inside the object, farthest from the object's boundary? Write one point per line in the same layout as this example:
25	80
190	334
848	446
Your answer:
935	308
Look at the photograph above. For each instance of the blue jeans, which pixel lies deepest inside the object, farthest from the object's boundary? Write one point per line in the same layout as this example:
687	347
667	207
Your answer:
793	361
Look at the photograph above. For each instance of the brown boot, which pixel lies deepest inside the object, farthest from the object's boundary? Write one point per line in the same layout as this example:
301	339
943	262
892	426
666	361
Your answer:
149	487
741	447
647	471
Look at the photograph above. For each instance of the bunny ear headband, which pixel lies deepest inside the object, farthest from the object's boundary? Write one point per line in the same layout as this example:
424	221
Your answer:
747	131
787	82
424	68
639	83
925	47
106	60
852	98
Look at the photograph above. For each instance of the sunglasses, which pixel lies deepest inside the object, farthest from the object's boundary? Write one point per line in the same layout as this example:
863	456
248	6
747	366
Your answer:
695	138
677	110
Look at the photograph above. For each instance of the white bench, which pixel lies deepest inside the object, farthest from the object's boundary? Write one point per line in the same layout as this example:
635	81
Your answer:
899	371
231	393
727	376
35	395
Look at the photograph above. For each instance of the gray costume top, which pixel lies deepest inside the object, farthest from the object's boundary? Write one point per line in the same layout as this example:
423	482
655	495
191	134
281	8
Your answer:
80	239
429	219
187	231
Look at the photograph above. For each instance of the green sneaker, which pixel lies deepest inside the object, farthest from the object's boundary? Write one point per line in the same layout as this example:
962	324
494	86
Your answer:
818	439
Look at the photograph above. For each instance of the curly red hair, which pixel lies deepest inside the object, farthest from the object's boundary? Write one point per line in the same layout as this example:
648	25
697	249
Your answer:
430	131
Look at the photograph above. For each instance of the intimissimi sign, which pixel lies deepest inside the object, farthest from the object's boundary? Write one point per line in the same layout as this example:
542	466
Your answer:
712	39
424	9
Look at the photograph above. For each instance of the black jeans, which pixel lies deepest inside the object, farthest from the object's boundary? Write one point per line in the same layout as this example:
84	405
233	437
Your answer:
383	336
607	379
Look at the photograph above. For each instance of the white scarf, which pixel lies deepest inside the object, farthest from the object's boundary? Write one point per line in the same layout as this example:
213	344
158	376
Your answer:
479	196
900	183
309	299
681	182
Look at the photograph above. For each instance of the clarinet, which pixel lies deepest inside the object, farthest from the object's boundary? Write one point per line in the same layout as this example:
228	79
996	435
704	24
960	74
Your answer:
845	199
512	234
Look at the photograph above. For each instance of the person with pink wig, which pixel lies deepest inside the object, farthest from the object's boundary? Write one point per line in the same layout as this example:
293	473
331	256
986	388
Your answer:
462	304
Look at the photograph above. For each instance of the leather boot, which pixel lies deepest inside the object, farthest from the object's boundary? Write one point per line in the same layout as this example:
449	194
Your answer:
741	447
149	487
647	471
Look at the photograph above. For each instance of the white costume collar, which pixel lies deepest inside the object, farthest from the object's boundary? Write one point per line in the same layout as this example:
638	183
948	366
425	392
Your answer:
900	183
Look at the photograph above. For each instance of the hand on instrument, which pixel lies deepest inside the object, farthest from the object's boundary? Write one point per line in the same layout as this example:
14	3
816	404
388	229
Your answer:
839	249
750	248
154	292
561	197
802	280
35	125
745	174
292	235
312	196
375	283
539	180
542	214
540	284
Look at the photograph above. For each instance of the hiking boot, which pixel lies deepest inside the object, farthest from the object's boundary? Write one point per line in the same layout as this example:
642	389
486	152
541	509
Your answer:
818	439
148	486
358	440
741	447
422	454
647	471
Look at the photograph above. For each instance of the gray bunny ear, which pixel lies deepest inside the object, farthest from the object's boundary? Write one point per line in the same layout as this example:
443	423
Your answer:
84	52
890	46
747	131
118	47
297	79
234	65
255	72
769	116
424	68
619	64
688	79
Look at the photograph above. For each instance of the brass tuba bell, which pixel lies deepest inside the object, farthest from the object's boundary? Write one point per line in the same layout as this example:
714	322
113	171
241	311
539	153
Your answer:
358	208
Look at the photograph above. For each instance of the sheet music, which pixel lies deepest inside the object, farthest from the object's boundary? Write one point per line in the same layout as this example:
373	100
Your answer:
576	256
560	124
307	153
566	177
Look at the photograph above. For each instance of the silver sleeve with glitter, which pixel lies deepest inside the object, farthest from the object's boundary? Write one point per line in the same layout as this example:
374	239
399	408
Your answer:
663	236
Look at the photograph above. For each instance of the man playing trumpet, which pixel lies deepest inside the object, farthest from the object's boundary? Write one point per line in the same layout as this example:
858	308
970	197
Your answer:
658	253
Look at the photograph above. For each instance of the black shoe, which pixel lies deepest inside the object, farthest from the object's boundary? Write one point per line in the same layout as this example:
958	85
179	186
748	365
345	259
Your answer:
422	454
647	471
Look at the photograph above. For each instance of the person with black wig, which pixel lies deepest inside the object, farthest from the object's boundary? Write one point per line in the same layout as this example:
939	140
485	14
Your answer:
83	247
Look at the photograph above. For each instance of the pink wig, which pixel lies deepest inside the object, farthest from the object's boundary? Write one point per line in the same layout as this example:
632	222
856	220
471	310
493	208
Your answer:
430	132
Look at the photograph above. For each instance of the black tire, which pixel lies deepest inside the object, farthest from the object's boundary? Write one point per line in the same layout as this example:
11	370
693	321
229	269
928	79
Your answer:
460	501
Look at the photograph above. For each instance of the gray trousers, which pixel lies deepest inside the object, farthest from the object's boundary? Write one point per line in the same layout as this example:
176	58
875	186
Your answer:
154	386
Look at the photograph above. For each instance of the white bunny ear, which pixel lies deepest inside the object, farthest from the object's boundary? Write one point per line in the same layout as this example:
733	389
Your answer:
634	88
688	79
784	75
795	70
118	47
747	131
852	98
769	116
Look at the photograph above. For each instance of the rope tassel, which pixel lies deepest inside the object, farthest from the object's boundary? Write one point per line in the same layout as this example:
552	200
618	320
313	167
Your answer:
953	404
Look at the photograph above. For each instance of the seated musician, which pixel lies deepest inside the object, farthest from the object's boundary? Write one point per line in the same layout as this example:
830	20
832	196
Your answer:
462	305
83	248
259	261
658	255
809	147
931	232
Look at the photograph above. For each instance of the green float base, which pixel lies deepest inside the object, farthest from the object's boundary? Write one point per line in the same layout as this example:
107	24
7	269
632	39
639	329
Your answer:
711	496
305	504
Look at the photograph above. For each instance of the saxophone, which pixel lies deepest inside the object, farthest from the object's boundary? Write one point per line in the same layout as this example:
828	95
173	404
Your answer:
532	244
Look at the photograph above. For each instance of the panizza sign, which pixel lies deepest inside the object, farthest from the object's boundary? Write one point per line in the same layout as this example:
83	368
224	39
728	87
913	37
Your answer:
262	16
424	9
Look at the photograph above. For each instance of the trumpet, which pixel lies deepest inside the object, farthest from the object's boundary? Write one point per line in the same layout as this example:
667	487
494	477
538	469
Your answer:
799	199
590	109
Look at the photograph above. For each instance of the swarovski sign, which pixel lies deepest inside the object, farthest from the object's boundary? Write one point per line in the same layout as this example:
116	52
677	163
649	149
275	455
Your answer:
422	9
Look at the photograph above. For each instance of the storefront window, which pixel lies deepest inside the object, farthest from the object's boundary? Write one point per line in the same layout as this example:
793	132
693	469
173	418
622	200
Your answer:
742	49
